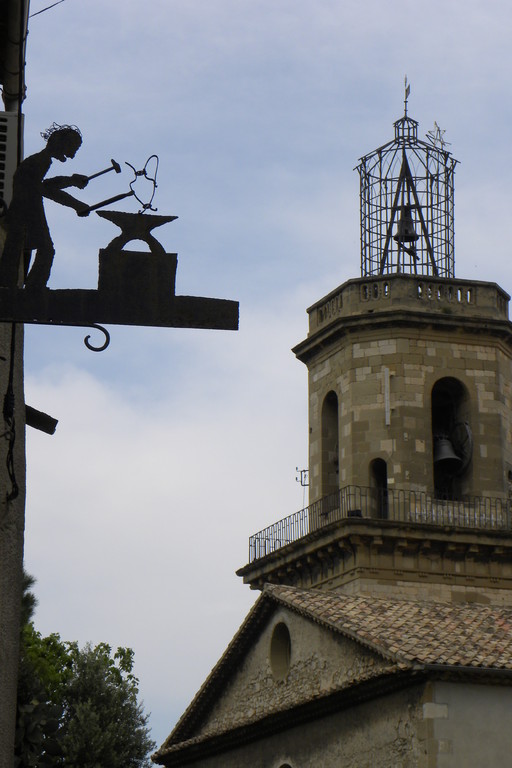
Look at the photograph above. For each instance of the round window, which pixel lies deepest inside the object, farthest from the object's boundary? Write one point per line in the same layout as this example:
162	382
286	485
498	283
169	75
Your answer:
280	649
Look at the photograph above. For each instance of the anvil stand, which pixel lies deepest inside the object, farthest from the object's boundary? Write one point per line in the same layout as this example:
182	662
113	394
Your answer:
134	288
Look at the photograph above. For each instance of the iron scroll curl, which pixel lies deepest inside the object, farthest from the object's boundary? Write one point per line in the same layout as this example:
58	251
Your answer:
101	347
69	324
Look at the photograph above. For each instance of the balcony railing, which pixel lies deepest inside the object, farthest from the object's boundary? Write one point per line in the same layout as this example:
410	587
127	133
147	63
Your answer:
394	505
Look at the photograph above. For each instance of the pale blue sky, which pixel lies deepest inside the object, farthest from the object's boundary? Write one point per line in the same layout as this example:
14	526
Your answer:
173	446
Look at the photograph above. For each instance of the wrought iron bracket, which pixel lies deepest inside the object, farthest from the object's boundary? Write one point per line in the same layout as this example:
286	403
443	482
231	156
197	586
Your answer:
65	324
134	288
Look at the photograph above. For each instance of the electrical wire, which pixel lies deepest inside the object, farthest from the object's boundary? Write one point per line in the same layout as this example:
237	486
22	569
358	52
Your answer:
46	9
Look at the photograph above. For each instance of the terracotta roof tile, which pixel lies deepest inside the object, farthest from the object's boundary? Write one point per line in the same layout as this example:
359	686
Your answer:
462	634
406	633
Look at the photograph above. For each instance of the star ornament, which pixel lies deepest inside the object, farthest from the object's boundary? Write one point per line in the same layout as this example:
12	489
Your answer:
436	137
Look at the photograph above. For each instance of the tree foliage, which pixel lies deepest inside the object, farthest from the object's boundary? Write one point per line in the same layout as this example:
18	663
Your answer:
77	707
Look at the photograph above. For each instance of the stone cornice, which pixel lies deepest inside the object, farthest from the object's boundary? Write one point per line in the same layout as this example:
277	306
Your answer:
388	551
398	320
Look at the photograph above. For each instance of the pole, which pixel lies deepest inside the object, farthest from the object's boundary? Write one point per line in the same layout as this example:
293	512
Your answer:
13	14
12	525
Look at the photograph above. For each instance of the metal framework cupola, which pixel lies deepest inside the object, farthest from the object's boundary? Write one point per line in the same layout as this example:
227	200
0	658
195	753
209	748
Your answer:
406	195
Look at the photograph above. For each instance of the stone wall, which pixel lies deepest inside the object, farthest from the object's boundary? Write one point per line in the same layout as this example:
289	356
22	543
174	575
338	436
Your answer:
383	372
433	725
320	662
384	294
384	733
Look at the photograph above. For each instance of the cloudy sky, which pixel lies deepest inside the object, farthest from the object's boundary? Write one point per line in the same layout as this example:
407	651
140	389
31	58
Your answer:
173	446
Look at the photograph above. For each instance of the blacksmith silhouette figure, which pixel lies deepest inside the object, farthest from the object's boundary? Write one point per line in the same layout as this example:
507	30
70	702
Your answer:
25	221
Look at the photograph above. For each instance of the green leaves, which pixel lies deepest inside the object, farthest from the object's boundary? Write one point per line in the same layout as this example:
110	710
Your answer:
103	724
78	707
37	726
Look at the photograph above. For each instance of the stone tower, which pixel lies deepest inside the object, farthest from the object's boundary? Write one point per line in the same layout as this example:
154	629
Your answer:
383	633
410	407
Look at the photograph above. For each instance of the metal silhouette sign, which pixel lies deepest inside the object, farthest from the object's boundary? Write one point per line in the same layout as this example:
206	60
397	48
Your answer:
134	287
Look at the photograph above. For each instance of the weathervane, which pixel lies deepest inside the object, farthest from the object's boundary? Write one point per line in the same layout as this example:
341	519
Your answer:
134	287
407	88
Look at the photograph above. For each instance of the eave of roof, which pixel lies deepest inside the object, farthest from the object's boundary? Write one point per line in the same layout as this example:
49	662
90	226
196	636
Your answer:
416	638
207	744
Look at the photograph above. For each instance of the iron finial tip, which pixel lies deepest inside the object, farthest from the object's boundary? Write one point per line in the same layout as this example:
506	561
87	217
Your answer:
407	92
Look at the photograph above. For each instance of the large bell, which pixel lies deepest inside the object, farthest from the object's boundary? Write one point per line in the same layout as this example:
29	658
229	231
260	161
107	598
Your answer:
444	454
405	227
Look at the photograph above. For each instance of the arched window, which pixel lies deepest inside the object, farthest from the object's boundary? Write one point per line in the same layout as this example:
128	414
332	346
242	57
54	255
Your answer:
379	485
330	444
280	651
451	437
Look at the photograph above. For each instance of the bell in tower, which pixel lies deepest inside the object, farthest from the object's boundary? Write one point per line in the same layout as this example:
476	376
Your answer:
383	632
405	235
405	231
406	177
406	363
444	454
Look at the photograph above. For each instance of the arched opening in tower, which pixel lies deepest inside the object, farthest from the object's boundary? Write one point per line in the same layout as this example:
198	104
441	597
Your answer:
451	455
379	486
330	444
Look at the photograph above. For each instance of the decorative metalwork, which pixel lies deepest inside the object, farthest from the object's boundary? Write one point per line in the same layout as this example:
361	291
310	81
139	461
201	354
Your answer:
25	221
134	287
146	206
102	346
436	136
144	172
356	502
114	166
406	198
70	324
134	226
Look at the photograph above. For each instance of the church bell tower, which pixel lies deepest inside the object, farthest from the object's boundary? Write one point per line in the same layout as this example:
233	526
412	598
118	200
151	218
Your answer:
410	406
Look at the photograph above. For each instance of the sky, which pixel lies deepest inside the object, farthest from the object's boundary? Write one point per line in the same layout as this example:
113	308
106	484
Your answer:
175	445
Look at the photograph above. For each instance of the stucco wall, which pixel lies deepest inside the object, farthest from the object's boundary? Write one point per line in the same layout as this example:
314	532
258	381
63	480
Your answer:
469	725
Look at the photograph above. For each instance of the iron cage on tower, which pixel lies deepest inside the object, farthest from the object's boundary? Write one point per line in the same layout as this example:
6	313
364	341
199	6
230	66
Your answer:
406	190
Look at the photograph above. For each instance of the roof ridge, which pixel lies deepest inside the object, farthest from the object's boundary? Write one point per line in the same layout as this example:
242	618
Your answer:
409	634
409	631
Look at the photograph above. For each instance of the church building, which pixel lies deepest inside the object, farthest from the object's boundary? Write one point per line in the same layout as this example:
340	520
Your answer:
382	637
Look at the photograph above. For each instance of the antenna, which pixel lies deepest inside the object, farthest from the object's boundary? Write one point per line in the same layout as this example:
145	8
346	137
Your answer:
302	477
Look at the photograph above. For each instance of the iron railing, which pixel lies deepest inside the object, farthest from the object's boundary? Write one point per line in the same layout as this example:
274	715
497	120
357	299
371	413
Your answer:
404	506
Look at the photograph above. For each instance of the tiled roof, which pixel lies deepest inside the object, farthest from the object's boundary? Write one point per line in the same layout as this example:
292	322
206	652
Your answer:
411	635
462	634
